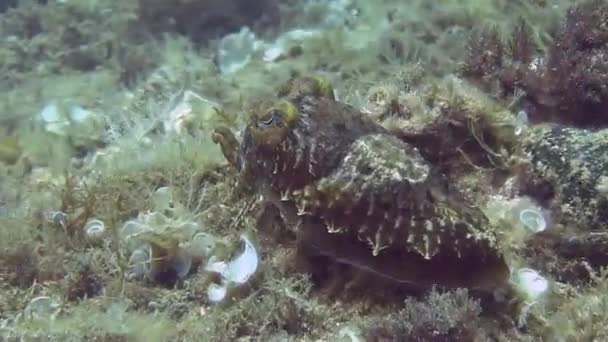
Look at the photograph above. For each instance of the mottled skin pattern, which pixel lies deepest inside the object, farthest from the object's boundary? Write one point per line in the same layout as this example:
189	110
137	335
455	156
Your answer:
356	193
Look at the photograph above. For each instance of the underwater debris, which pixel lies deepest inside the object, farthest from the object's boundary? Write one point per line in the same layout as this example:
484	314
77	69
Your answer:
344	183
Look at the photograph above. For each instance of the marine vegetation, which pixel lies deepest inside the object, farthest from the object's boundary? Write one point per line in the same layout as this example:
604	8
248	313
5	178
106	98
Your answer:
565	83
303	170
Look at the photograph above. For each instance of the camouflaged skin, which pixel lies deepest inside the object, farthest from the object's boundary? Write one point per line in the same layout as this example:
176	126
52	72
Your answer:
339	169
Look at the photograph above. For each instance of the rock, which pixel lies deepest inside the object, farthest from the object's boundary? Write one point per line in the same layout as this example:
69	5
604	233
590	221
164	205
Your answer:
569	174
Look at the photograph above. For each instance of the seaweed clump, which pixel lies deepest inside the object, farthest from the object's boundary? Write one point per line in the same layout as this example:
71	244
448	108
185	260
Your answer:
566	83
450	316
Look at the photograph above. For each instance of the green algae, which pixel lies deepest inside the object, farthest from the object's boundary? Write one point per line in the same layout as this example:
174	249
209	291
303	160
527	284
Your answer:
75	53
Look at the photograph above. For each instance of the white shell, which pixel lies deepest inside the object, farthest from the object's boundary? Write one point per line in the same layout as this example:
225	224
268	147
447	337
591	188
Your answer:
94	230
216	293
58	218
244	266
521	122
531	283
238	270
532	220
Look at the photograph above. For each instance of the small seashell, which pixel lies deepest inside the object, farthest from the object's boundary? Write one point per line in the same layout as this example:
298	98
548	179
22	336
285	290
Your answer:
233	273
521	122
59	218
244	266
532	220
94	230
531	284
240	269
216	293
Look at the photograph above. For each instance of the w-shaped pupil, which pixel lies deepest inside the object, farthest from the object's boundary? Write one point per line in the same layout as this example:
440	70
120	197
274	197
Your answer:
270	119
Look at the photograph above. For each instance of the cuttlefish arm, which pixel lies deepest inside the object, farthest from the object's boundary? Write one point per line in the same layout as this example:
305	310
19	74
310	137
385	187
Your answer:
229	145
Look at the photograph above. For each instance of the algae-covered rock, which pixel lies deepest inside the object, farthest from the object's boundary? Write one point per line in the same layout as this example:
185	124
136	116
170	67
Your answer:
568	175
569	172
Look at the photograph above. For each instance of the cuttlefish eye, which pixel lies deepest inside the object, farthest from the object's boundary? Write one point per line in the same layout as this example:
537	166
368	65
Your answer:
270	127
271	119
